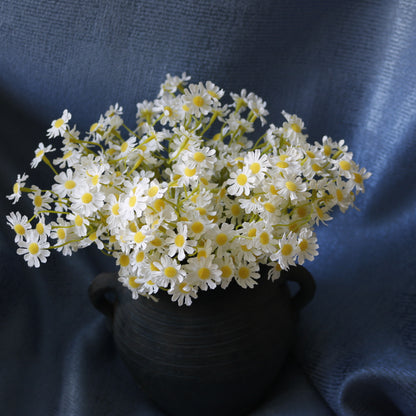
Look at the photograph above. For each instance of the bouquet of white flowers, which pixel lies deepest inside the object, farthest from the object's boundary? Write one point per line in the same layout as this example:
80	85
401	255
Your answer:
186	201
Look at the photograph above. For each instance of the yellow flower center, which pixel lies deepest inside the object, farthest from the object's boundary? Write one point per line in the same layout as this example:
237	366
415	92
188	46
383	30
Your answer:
264	238
310	154
140	257
93	127
255	167
33	248
340	195
197	227
124	147
241	179
59	123
303	245
358	178
19	229
61	233
159	205
153	191
40	228
132	282
235	210
226	271
221	239
243	272
189	172
132	201
115	209
345	165
302	211
282	165
198	101
170	272
327	150
179	240
157	242
296	128
86	198
39	153
269	207
70	184
316	168
204	273
291	186
79	221
67	155
184	288
124	260
199	157
273	190
139	237
286	249
38	201
252	232
16	188
153	268
95	180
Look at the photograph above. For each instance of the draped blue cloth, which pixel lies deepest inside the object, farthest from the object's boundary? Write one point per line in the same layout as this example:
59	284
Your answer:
347	68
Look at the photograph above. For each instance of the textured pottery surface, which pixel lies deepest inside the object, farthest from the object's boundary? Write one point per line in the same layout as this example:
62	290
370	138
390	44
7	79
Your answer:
217	357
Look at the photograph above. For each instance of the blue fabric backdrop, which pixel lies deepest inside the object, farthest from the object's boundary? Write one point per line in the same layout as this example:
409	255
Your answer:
347	68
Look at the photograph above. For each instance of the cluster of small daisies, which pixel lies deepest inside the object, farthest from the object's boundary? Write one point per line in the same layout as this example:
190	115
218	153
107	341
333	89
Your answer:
186	201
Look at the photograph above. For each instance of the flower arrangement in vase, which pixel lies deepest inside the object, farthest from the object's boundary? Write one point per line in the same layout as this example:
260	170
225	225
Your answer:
190	199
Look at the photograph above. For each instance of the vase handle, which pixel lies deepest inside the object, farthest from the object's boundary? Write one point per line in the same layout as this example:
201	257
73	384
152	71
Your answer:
307	285
103	293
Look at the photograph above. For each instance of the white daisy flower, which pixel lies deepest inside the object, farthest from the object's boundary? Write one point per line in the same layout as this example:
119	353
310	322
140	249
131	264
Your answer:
86	201
241	182
197	100
257	163
292	188
62	232
183	293
59	126
227	268
66	182
178	242
41	200
39	153
42	228
34	248
307	245
246	274
19	223
169	272
173	83
17	188
258	107
132	282
80	224
203	272
287	250
358	178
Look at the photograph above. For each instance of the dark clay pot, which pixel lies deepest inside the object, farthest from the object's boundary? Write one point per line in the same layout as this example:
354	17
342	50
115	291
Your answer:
217	357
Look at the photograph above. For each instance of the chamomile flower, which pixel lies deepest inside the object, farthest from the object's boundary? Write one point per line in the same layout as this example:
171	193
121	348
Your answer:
85	201
42	228
40	153
41	200
292	188
246	274
19	223
132	282
287	251
183	293
66	182
241	182
358	178
203	272
34	248
307	245
169	272
178	242
17	188
227	268
59	126
257	163
197	100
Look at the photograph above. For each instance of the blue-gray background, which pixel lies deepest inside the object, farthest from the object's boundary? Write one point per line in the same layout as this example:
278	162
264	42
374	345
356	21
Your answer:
348	68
